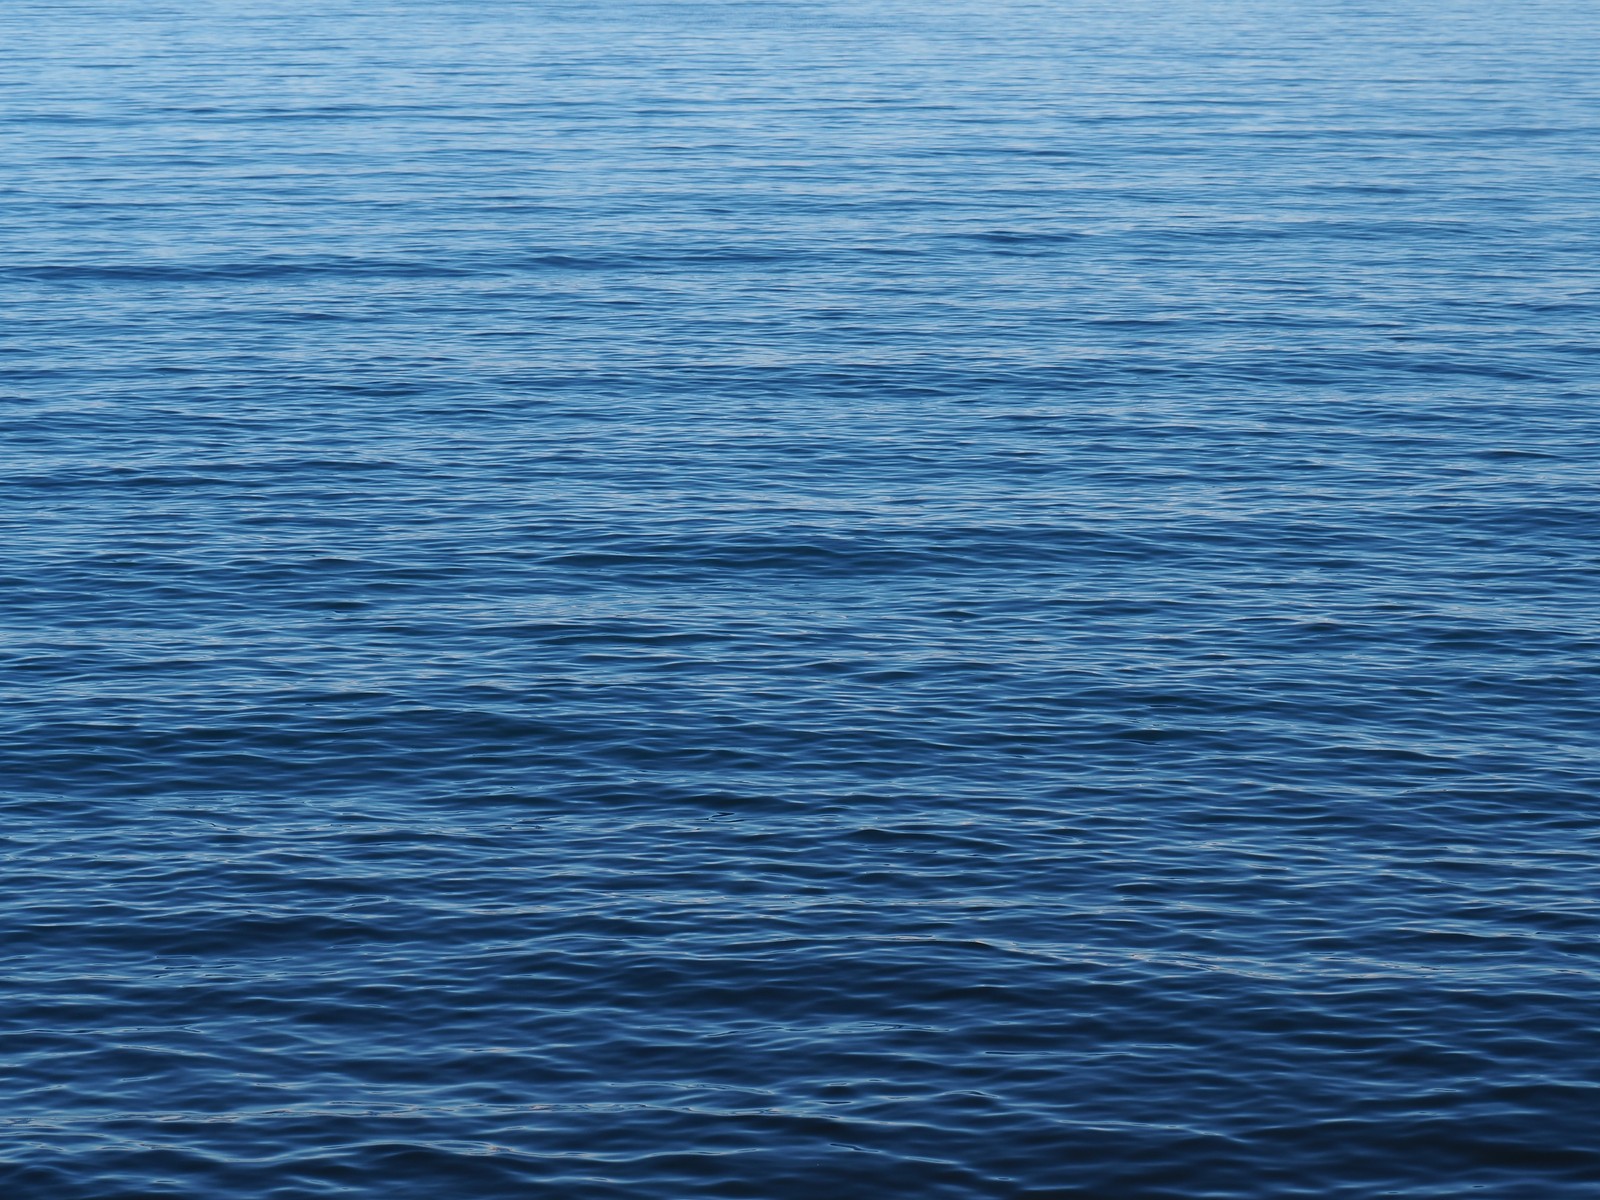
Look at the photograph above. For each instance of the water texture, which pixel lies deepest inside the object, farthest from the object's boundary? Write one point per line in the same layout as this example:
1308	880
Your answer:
800	599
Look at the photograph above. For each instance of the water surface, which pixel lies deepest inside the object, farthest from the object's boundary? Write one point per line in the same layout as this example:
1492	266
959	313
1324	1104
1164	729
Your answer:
794	600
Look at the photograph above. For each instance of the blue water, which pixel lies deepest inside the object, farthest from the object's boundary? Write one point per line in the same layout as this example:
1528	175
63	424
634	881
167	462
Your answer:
800	600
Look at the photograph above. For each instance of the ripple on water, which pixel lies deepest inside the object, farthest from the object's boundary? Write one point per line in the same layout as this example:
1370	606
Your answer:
763	601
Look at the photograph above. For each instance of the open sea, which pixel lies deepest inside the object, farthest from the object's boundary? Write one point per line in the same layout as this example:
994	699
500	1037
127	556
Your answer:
800	600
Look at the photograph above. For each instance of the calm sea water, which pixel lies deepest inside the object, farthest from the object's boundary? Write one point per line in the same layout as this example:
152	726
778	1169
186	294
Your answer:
800	600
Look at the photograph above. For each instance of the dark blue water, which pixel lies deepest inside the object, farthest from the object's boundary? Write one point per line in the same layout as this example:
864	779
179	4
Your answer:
800	600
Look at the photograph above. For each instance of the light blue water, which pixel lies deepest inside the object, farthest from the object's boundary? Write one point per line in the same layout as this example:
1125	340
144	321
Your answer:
799	600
